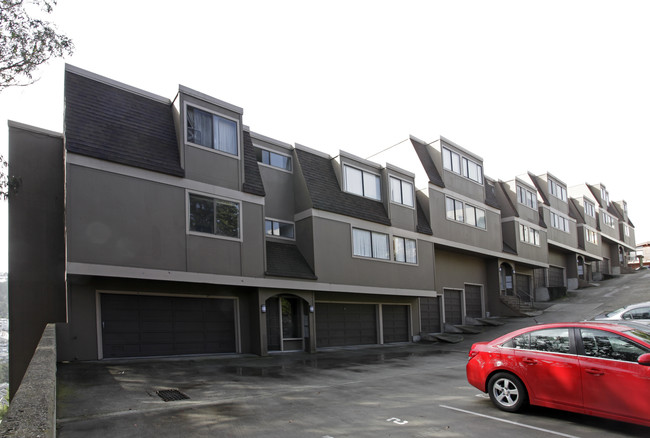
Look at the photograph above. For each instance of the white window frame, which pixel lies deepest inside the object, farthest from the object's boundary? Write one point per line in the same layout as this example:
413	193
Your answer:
364	191
212	148
466	210
528	235
459	164
260	159
215	199
373	247
591	236
558	190
526	197
590	209
277	221
604	195
402	183
396	255
608	220
559	222
627	230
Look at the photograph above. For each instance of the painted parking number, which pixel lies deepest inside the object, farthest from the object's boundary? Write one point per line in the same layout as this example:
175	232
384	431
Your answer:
397	421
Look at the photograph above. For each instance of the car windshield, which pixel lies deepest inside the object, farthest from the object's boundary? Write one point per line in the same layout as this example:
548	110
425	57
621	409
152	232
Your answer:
640	333
614	312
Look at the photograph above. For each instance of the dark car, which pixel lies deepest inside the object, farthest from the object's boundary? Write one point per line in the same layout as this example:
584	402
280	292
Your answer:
593	368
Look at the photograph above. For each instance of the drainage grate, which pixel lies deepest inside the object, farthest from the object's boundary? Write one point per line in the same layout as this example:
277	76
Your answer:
171	395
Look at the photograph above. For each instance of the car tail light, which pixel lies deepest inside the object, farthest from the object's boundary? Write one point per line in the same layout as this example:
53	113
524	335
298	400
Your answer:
472	353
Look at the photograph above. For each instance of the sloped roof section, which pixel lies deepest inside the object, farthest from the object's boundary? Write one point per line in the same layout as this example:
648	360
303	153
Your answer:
285	260
427	163
539	185
326	194
252	179
491	196
423	225
111	123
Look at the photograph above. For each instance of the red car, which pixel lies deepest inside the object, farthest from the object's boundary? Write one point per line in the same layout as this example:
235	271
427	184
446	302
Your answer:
593	368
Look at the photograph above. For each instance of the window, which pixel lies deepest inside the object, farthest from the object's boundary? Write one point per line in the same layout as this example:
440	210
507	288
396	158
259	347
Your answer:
607	345
279	229
604	195
212	131
591	236
273	159
362	183
457	211
474	216
590	209
559	222
528	234
609	220
638	313
404	250
526	197
461	165
550	340
557	190
401	191
213	216
370	244
627	230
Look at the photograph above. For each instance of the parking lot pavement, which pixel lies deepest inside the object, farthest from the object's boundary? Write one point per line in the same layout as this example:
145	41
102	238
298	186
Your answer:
398	390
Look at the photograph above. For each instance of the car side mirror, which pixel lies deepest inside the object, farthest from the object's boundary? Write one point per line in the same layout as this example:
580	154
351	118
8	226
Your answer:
644	359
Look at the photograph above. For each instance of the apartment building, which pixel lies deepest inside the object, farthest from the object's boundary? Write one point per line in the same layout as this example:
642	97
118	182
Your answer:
156	227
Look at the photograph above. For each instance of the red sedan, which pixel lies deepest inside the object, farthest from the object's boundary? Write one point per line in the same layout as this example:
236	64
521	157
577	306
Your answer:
593	368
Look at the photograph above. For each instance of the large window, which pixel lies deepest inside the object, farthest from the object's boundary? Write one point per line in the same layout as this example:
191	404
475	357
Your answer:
362	183
604	195
526	197
401	191
279	229
462	165
591	236
557	190
370	244
273	159
560	222
212	131
590	209
468	214
213	216
609	220
528	234
404	250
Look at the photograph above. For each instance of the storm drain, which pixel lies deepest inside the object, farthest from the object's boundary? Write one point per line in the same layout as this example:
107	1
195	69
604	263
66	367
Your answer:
171	395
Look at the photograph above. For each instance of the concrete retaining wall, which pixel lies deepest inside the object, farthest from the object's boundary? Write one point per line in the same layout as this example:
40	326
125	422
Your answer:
32	412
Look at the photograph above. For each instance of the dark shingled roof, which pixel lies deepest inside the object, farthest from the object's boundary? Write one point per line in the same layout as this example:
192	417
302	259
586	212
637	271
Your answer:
427	163
423	224
112	124
285	260
540	186
326	194
491	196
252	179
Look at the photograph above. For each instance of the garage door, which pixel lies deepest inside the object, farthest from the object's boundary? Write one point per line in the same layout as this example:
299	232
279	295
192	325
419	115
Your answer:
453	307
395	323
340	324
430	314
473	305
144	325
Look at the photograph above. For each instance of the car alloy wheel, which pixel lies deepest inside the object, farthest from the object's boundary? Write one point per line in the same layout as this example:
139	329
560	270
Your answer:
507	392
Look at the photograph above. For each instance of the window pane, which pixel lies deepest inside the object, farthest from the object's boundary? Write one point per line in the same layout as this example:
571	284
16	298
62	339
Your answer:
459	211
266	157
268	227
361	243
446	159
471	215
285	230
552	340
411	251
199	127
280	161
480	218
455	162
398	249
353	180
606	345
201	214
371	186
451	209
395	190
407	194
225	135
380	249
227	219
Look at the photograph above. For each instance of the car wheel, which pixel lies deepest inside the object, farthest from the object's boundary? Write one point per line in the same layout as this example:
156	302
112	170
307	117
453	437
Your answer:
507	392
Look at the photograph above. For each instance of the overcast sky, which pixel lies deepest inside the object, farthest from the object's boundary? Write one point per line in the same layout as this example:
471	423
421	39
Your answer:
541	86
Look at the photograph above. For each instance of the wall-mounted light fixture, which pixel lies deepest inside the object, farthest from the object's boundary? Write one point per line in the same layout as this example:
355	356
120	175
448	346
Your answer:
263	308
311	309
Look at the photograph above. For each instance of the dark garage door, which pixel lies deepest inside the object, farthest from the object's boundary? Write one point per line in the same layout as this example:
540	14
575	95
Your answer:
395	321
145	325
453	307
473	306
340	324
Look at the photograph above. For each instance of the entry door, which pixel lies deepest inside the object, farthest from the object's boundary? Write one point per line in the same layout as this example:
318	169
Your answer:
286	324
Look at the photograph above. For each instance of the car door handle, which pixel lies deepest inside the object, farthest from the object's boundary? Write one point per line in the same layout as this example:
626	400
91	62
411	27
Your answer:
594	371
529	361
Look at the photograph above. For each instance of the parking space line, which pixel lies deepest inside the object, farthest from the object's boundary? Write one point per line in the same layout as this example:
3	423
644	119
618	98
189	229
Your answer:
508	421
